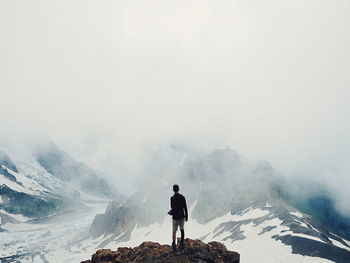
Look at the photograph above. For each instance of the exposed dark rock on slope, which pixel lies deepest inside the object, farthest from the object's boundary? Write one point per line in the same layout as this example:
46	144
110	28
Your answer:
8	175
28	205
150	252
33	206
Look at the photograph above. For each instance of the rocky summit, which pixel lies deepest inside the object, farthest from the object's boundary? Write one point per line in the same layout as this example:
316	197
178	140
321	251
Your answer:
151	252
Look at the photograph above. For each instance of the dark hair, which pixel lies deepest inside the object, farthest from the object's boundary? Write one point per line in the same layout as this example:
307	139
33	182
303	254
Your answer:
176	188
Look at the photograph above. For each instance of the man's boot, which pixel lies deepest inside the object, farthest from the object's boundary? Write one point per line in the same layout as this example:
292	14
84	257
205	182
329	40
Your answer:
174	246
182	245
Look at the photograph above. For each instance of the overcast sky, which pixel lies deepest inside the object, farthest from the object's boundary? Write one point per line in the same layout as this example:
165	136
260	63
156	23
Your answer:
107	79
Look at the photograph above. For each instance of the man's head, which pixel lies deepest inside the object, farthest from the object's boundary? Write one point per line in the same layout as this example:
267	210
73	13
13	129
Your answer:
176	188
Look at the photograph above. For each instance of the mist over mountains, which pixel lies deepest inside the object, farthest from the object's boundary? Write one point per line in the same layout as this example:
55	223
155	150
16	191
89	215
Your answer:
225	192
217	173
223	184
48	182
60	164
104	105
267	78
222	181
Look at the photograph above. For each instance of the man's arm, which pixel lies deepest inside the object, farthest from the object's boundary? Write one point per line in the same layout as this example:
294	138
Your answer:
185	208
171	205
171	202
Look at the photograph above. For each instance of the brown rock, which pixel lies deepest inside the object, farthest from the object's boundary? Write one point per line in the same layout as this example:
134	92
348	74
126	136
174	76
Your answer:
195	251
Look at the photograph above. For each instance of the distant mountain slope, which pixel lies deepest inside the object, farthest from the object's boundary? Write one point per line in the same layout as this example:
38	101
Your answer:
28	198
49	184
64	167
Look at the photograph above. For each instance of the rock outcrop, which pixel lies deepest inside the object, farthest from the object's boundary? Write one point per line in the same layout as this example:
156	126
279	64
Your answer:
150	252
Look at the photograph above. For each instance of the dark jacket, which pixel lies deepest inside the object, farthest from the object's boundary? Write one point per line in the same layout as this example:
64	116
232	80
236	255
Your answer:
178	206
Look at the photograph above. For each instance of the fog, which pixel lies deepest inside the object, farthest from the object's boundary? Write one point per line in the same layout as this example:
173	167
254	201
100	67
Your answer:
110	81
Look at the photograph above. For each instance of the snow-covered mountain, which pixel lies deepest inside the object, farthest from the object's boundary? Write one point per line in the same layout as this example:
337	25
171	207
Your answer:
244	204
41	194
49	182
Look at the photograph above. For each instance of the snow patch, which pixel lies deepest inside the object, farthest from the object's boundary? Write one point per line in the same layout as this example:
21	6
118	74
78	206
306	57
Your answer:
302	235
297	214
14	186
263	248
58	239
338	244
18	217
301	223
251	213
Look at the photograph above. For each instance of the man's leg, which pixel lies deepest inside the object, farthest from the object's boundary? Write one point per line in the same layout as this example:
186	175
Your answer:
182	229
182	234
174	235
182	245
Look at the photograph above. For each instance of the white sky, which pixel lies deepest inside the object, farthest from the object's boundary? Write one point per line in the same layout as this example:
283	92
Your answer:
106	79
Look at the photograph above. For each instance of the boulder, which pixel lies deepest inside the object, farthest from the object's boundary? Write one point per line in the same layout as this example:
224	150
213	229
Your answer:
195	251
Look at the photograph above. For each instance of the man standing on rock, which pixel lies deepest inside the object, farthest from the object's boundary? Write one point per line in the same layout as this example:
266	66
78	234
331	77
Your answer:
179	213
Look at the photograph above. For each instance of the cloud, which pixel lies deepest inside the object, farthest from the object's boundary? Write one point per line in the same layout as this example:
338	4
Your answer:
110	79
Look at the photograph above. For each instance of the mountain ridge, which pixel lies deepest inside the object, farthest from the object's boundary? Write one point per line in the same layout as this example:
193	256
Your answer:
240	203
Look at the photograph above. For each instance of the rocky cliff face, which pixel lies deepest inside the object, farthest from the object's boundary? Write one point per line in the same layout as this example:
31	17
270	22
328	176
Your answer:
117	219
147	252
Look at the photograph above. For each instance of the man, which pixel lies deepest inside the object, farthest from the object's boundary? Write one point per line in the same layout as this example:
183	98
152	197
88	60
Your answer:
179	213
